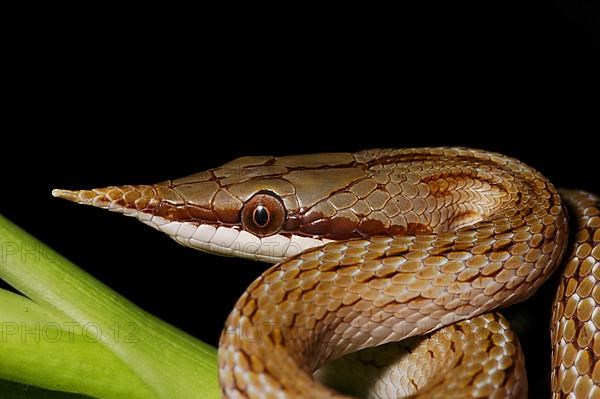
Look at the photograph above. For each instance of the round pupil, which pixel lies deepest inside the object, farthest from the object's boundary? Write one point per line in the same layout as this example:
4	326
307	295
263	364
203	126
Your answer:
261	216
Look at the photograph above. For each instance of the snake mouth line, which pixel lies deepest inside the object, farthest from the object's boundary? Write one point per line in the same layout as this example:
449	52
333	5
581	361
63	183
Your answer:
208	237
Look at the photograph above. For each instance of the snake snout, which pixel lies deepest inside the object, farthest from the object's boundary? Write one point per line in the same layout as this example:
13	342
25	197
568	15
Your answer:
115	198
69	195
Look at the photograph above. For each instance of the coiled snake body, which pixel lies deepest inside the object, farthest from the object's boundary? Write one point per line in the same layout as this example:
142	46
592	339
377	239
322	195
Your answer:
379	246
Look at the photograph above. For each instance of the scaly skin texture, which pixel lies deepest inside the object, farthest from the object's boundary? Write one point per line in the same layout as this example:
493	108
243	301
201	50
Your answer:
416	241
480	356
576	310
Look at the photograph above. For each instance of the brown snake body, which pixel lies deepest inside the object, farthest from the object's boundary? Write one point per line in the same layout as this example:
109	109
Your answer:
379	246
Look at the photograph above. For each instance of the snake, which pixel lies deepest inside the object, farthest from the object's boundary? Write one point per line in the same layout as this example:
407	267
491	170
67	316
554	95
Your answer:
390	266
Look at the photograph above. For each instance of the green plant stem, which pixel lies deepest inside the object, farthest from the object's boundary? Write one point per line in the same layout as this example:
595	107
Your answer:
39	347
173	364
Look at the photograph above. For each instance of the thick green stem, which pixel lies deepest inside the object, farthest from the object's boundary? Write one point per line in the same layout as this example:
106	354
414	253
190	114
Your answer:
39	347
171	363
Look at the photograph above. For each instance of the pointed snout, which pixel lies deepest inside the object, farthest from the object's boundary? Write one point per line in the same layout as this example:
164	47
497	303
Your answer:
114	198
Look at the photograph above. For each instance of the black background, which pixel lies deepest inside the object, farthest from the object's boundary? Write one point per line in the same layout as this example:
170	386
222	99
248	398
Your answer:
95	97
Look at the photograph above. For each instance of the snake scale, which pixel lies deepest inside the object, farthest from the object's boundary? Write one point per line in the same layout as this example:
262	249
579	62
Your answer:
376	247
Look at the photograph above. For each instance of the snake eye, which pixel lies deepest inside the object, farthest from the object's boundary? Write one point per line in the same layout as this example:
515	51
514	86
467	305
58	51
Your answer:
263	214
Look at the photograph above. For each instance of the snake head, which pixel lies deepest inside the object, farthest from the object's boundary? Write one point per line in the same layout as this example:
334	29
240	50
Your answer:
260	207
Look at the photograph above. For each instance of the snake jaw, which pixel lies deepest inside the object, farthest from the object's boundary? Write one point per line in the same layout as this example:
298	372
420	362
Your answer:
157	206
